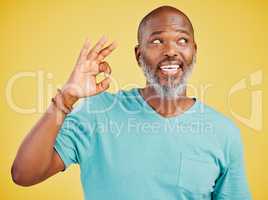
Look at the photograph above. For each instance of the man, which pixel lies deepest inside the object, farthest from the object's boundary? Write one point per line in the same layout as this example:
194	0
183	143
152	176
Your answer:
145	143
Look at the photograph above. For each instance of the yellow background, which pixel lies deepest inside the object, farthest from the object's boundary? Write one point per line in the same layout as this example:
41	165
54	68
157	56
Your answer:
47	36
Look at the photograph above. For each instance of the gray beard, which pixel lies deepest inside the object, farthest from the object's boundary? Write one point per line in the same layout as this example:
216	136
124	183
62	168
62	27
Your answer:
170	91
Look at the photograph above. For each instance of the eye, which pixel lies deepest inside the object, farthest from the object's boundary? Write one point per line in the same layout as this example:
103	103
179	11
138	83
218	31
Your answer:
156	41
183	41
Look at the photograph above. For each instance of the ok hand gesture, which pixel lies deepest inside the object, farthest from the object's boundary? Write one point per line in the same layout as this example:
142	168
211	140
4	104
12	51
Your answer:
82	82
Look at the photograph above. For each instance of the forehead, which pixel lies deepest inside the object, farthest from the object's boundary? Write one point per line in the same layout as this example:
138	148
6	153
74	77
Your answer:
166	21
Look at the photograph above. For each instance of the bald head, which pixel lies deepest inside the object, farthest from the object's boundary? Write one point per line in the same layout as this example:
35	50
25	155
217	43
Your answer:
157	17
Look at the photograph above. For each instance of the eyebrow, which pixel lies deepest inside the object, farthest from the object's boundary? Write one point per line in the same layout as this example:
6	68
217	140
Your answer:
178	30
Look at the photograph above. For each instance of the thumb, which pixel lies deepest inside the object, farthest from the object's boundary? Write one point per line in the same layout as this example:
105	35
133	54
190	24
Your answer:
103	85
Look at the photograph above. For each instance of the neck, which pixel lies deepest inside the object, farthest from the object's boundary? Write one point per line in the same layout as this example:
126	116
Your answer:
166	106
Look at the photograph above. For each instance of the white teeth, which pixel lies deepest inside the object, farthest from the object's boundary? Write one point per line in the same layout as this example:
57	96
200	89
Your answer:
170	67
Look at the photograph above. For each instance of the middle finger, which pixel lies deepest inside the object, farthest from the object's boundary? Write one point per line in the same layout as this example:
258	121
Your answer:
93	53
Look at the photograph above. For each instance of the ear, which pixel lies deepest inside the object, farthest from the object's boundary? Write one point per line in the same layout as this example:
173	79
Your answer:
137	53
195	47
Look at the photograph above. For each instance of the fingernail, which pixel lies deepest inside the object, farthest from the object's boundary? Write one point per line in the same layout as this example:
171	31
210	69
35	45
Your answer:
106	75
115	43
103	38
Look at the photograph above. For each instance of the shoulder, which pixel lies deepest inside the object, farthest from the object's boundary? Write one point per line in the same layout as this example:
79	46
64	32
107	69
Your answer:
219	120
223	126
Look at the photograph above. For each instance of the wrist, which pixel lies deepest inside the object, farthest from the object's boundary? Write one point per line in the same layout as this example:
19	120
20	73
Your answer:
68	99
58	101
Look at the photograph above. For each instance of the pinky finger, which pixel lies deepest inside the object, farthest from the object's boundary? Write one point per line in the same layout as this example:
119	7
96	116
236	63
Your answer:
84	51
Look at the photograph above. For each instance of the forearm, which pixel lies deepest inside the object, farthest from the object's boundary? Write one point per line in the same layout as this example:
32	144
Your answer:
36	158
35	153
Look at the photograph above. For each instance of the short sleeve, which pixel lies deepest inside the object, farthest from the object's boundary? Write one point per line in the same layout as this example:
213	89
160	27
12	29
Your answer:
73	142
232	183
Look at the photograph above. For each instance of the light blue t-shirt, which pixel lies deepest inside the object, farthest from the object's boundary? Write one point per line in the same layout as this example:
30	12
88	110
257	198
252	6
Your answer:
127	151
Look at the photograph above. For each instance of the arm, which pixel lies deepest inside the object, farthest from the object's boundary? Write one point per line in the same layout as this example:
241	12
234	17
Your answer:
36	159
232	183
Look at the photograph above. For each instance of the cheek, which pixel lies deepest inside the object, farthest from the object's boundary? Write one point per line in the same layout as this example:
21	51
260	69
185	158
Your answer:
151	57
188	54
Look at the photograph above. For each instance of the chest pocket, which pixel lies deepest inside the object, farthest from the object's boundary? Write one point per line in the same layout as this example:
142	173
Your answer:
197	175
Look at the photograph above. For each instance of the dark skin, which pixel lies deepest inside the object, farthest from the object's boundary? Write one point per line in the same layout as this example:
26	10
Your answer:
166	37
36	159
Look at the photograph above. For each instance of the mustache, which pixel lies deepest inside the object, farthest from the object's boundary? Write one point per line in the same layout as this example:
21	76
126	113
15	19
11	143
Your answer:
171	60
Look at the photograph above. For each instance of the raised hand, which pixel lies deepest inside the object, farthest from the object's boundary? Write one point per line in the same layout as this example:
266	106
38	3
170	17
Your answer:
82	81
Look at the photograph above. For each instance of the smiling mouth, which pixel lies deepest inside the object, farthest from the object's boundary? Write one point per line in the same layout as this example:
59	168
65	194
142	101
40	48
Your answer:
170	69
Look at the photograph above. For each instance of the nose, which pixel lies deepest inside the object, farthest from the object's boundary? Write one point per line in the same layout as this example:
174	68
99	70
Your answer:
170	50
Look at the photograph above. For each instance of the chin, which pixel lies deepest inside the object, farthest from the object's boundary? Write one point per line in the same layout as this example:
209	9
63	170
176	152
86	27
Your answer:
172	82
